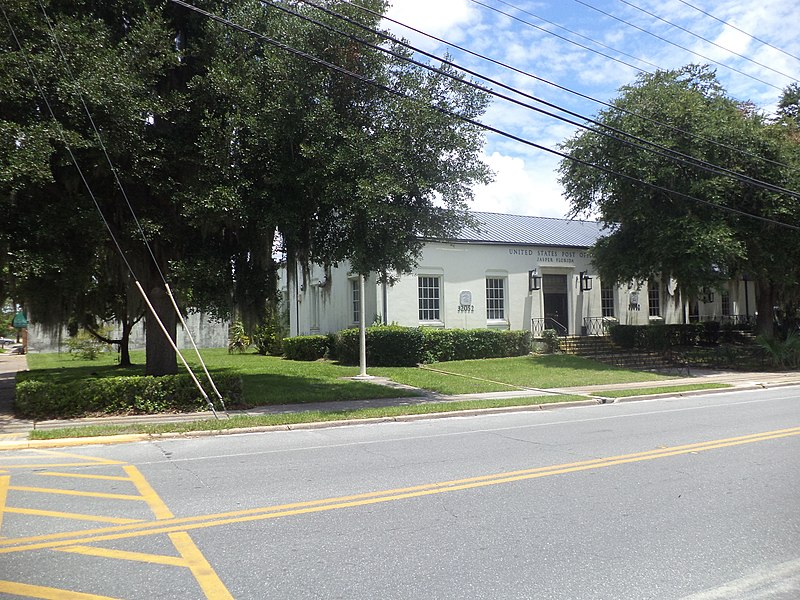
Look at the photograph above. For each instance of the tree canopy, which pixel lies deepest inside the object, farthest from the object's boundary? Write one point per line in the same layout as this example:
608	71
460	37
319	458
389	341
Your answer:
673	175
224	142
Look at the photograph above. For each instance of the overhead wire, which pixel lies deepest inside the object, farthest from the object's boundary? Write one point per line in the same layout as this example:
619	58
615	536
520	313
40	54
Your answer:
700	37
566	39
734	27
570	31
629	139
327	64
96	203
675	44
576	93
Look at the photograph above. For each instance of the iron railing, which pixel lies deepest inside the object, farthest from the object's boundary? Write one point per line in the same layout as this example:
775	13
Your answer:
539	325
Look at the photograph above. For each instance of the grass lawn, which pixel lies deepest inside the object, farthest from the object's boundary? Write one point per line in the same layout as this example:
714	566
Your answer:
242	421
489	375
265	379
271	380
667	389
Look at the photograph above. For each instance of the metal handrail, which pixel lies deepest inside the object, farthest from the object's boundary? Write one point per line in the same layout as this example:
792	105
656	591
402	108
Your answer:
539	325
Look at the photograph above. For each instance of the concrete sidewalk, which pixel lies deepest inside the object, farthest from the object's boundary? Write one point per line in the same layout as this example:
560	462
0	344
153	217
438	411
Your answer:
15	430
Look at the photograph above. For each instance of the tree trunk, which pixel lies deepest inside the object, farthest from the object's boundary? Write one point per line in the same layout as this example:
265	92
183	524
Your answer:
124	344
765	305
161	357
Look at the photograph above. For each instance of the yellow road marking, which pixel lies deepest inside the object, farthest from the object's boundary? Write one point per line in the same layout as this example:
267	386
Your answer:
4	479
27	488
89	459
158	559
313	506
149	495
83	476
68	515
48	465
209	582
38	591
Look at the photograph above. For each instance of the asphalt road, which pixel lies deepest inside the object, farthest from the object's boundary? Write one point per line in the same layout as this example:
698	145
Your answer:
687	497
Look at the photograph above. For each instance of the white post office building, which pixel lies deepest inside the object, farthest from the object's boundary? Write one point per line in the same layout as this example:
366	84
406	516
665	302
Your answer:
509	272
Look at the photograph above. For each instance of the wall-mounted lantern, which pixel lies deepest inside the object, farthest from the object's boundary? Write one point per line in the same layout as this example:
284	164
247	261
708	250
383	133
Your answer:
586	281
534	281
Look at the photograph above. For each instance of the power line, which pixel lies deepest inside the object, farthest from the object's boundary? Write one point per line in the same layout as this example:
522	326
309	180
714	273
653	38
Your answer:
637	142
671	43
700	37
470	121
107	225
569	41
614	107
732	26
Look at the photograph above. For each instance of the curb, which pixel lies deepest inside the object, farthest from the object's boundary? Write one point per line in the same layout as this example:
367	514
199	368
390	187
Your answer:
128	438
590	401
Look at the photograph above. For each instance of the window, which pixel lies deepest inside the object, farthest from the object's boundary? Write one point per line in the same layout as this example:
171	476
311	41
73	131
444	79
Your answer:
429	298
607	299
355	295
725	299
314	308
654	298
495	298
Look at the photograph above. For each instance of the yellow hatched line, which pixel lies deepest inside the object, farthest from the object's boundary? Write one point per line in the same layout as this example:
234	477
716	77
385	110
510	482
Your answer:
83	476
38	591
69	515
48	465
4	479
205	575
86	459
158	559
314	506
149	495
26	488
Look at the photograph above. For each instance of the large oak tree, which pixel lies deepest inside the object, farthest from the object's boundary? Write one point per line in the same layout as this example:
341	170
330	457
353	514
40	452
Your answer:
667	215
223	143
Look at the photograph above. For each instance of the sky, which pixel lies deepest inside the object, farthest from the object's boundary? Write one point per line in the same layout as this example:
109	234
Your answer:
754	47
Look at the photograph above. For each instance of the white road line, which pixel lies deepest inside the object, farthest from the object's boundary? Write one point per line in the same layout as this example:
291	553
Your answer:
462	433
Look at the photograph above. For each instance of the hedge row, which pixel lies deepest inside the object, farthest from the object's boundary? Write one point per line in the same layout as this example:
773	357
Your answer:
305	347
396	346
118	395
664	337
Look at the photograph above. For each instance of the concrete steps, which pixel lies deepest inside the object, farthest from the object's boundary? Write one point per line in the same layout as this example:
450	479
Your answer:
601	349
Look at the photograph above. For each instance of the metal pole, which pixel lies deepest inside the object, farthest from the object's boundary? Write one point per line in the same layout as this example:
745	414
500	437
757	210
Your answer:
362	328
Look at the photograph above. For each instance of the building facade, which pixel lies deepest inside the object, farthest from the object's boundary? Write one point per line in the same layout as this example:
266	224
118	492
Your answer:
509	272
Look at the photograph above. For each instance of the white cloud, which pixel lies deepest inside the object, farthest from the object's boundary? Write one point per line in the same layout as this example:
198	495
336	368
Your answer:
442	18
520	189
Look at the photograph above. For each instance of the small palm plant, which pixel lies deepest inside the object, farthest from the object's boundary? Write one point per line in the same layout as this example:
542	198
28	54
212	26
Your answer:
238	341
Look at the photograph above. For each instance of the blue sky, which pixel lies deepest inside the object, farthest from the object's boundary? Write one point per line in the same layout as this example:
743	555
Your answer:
525	178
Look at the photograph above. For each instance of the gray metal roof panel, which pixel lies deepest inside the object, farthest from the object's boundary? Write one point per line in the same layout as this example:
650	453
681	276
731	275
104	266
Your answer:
499	228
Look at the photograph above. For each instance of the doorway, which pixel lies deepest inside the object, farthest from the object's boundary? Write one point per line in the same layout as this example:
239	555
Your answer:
555	291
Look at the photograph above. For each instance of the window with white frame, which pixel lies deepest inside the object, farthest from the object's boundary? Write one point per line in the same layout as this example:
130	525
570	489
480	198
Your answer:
429	298
495	298
355	296
725	299
654	297
607	299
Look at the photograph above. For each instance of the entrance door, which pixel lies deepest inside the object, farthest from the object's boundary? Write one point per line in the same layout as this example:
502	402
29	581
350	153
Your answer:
554	288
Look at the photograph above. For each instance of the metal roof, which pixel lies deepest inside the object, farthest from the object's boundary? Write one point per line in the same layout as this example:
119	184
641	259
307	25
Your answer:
496	228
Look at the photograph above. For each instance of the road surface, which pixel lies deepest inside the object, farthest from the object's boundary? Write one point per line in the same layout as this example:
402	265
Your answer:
691	497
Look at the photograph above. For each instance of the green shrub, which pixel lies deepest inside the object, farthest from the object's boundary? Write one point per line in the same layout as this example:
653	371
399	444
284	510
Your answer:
387	346
305	347
623	336
86	346
551	341
118	395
